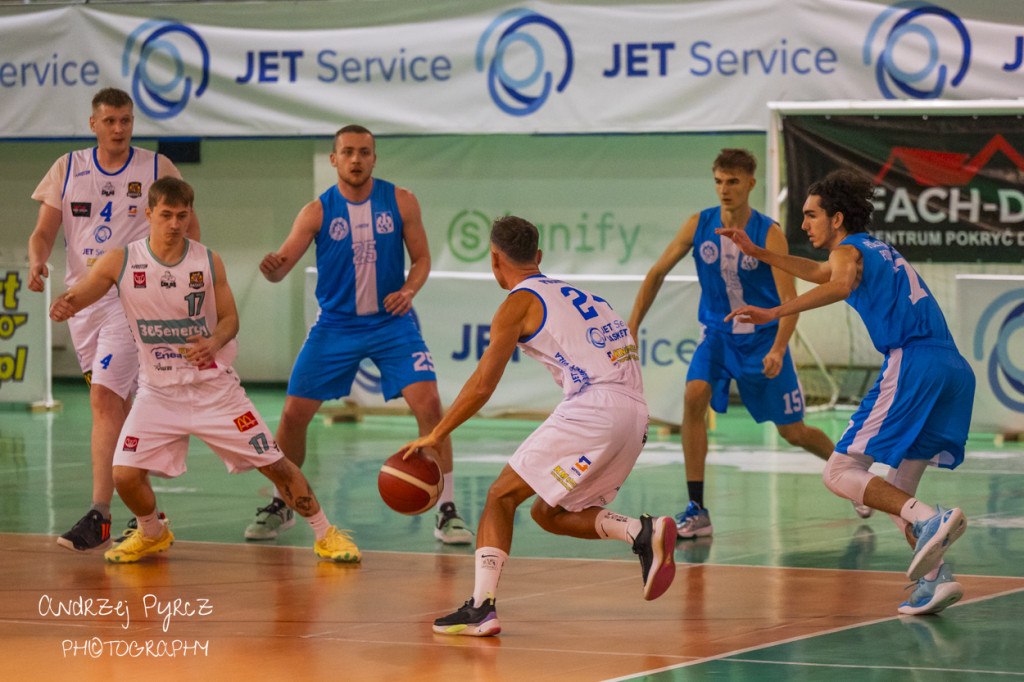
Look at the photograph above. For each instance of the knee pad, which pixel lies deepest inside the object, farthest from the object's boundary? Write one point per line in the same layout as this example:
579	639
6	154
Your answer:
847	475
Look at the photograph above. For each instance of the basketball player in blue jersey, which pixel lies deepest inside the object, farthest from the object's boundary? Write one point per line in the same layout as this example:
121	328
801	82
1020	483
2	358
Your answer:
362	227
576	461
919	410
755	356
98	194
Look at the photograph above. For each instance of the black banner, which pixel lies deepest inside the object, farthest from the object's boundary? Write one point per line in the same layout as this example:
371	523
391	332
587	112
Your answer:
950	188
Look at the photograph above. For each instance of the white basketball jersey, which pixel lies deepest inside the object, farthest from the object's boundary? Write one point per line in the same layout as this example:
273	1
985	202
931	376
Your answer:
582	341
102	211
166	304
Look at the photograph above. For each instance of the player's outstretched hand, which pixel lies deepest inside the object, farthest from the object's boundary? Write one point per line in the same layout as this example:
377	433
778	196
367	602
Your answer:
751	314
427	441
740	238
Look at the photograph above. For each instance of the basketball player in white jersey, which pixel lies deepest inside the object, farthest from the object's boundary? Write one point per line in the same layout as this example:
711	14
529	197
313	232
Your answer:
182	314
99	195
577	460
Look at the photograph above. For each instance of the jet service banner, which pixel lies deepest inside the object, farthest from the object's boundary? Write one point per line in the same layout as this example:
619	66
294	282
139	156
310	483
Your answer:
540	67
949	188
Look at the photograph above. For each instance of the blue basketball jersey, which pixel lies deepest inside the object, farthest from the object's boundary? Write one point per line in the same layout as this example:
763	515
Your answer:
360	253
894	302
728	278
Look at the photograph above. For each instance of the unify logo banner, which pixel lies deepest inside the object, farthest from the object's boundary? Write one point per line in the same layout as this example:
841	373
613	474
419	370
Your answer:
543	68
948	187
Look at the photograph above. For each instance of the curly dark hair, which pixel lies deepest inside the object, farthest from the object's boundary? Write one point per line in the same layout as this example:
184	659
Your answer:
515	237
844	191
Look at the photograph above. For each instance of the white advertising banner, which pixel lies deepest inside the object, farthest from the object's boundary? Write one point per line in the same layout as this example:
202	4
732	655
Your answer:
24	331
455	312
538	67
991	337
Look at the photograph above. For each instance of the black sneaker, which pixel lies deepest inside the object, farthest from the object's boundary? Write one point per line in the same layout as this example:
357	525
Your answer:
133	525
91	532
470	621
655	544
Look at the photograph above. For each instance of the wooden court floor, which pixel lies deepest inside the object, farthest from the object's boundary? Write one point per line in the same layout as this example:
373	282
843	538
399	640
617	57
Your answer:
792	586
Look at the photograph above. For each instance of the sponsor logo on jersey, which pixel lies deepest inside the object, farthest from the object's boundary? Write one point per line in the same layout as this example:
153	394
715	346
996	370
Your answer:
166	353
338	229
133	211
81	173
246	421
563	477
709	252
581	465
195	280
134	190
140	266
167	281
384	222
140	280
131	444
108	190
81	209
102	234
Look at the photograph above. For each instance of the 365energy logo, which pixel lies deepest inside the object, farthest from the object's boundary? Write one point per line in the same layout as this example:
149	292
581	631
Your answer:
162	77
998	324
917	49
528	53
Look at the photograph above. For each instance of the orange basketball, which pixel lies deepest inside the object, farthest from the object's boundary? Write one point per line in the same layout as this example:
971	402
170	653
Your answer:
410	486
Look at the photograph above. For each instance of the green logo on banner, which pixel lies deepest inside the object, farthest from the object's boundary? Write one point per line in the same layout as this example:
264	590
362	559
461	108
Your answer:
469	236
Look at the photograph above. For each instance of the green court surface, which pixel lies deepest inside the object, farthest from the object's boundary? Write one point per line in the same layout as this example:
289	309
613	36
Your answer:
767	501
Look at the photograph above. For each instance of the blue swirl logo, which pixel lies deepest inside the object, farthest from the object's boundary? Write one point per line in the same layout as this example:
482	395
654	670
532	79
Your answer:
1005	378
160	87
899	65
518	76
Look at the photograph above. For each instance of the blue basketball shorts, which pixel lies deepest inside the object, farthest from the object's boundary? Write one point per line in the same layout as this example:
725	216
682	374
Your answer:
330	357
721	357
919	408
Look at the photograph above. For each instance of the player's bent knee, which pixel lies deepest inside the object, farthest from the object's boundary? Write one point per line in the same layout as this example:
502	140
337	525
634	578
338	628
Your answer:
846	475
543	514
128	477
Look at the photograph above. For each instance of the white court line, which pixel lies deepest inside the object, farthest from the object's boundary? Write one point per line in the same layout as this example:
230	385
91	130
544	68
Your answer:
790	640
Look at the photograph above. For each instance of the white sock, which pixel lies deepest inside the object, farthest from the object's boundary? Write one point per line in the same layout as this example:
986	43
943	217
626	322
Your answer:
150	524
448	491
612	526
489	562
915	510
277	494
319	523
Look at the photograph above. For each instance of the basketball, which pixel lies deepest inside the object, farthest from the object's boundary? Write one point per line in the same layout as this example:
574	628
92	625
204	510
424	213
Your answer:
410	486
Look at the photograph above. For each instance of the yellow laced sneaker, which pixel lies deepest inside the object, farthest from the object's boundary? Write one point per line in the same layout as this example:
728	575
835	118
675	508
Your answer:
337	546
137	545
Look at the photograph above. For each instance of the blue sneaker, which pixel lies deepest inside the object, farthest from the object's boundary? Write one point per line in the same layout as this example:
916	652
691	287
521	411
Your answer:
695	522
932	596
934	537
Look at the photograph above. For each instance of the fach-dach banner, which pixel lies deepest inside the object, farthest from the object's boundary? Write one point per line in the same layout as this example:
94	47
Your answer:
949	187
